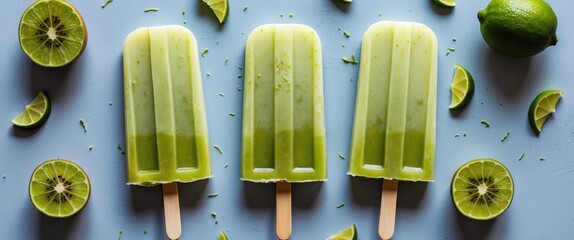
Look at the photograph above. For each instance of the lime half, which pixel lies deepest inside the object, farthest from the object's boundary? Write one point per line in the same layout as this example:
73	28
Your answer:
36	113
542	107
220	8
445	3
349	233
461	88
222	236
482	189
52	33
59	188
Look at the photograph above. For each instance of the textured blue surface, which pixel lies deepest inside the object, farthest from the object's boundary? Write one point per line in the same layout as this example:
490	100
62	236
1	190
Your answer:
542	207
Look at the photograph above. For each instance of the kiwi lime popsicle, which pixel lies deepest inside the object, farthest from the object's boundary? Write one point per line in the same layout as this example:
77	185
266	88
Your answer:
166	126
395	111
283	122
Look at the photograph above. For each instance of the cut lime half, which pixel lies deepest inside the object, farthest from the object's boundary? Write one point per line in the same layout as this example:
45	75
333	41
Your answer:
220	8
349	233
445	3
36	113
542	107
461	88
52	33
482	189
222	236
59	188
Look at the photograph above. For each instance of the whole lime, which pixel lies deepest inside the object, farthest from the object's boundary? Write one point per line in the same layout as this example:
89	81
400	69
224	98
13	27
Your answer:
518	28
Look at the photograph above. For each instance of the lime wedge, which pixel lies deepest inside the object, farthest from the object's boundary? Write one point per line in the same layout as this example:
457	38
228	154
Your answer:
59	188
349	233
482	189
36	113
542	107
220	8
445	3
222	236
52	33
461	88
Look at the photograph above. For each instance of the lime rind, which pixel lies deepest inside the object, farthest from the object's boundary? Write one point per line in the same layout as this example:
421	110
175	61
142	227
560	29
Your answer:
473	191
52	201
542	107
222	236
349	233
445	3
220	8
462	87
35	114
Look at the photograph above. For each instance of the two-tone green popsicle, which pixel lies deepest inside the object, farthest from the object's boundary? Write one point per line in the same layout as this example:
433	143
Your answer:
395	111
283	116
166	126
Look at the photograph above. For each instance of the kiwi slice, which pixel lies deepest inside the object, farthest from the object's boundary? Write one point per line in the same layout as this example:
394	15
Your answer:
59	188
482	189
52	33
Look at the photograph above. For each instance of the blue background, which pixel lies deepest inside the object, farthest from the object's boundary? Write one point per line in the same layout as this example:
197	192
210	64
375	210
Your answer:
542	206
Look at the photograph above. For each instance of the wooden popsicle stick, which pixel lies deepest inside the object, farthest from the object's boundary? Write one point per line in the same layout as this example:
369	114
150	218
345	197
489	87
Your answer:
388	209
283	208
171	210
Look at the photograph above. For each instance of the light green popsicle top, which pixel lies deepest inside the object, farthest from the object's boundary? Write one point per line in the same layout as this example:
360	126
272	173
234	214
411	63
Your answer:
283	119
395	109
166	126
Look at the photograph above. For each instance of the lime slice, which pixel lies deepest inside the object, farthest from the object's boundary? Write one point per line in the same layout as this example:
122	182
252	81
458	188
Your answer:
52	33
542	107
445	3
222	236
220	8
36	113
461	88
59	188
349	233
482	189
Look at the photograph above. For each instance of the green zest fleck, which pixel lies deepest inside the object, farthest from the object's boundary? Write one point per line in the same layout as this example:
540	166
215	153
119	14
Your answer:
341	156
341	205
83	125
182	12
486	124
214	214
457	135
91	147
350	60
239	76
281	15
216	222
145	231
213	195
4	177
290	15
450	49
121	234
232	114
505	136
151	10
454	39
110	103
208	74
106	3
204	51
238	88
380	14
542	159
121	148
226	165
226	60
346	34
218	148
245	8
184	21
521	156
464	134
221	94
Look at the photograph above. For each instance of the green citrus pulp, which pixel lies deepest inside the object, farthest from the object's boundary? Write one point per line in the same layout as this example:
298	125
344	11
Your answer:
59	188
542	107
35	114
482	189
462	87
52	33
349	233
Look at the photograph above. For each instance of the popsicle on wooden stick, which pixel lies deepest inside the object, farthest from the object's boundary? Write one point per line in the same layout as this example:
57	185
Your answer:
395	110
166	126
283	118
